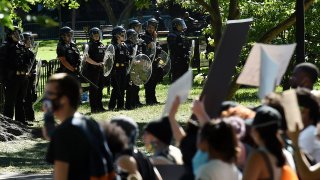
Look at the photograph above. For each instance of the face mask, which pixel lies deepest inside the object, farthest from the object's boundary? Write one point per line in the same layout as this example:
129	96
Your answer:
199	159
51	105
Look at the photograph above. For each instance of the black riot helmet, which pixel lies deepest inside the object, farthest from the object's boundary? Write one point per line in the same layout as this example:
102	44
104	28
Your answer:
153	22
93	31
134	23
178	22
117	31
14	31
132	35
66	31
129	126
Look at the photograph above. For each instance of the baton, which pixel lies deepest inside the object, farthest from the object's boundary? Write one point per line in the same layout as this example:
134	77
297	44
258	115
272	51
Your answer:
86	79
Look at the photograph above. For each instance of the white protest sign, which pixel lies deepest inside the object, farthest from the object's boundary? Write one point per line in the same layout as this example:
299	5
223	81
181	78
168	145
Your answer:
268	74
281	54
181	88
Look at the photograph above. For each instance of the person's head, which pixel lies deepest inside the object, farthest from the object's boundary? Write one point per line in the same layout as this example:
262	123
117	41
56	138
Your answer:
132	36
63	91
186	14
13	35
157	134
152	25
304	75
129	126
274	100
118	34
218	139
265	131
28	39
309	106
238	125
136	25
66	34
178	24
116	138
95	34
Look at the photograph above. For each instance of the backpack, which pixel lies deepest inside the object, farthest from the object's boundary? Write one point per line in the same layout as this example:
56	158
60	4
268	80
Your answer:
101	162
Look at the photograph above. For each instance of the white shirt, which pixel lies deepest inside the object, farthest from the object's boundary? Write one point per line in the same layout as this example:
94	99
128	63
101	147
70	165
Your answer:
309	143
216	169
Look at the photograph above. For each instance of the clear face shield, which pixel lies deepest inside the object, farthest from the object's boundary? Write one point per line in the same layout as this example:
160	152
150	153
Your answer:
29	42
138	28
134	38
67	37
96	36
16	36
122	36
183	24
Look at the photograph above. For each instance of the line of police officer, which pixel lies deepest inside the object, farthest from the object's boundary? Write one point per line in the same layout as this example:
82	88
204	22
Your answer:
17	73
18	66
69	57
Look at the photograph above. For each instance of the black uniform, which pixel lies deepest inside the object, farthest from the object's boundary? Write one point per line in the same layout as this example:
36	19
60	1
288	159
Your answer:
16	62
157	73
72	55
95	74
179	54
118	76
31	95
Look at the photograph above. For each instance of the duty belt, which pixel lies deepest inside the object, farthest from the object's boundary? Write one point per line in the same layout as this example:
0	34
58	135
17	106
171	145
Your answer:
18	73
119	64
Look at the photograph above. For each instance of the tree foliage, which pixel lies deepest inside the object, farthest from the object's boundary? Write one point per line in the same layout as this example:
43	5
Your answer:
9	8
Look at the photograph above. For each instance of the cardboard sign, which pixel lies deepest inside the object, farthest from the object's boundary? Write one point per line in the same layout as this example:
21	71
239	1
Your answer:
281	54
226	58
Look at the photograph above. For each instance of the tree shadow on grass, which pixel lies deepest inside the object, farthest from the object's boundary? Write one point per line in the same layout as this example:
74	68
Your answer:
27	160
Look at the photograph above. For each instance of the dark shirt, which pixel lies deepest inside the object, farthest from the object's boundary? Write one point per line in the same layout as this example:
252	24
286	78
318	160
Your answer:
70	144
15	57
70	52
96	51
179	48
121	55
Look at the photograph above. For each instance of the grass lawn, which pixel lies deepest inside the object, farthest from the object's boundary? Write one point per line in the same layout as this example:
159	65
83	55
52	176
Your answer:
27	155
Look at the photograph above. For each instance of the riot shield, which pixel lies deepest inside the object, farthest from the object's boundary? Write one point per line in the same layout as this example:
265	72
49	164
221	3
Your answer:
38	73
84	57
108	60
34	50
135	49
151	51
191	53
141	69
164	62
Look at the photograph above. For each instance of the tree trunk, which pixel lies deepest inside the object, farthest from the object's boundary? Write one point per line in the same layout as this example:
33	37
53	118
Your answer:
216	22
126	13
234	11
73	19
107	7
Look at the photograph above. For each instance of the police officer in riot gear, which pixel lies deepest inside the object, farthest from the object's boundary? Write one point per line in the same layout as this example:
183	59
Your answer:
16	60
132	93
119	70
67	52
93	69
31	95
179	49
161	26
150	37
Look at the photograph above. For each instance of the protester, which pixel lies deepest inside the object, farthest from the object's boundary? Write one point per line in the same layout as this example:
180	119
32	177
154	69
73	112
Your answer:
268	161
157	138
130	127
77	147
305	170
222	152
309	108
